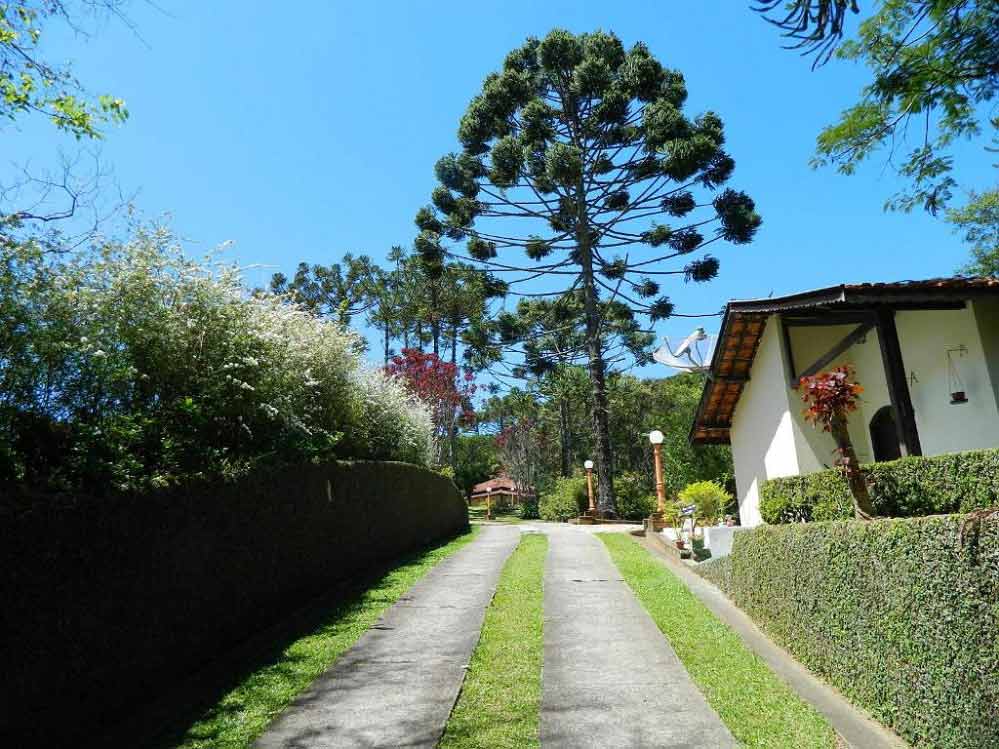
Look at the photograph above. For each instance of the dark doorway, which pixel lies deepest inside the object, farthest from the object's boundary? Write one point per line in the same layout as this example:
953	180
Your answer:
884	435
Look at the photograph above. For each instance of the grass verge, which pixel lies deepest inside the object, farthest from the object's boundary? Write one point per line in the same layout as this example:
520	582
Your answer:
280	674
759	709
500	700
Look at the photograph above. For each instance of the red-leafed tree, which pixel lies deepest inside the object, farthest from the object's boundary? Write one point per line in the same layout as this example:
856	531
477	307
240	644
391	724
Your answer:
831	397
444	388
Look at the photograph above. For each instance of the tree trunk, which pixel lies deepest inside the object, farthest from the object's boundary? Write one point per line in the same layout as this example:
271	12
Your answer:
565	436
454	345
863	507
388	341
606	506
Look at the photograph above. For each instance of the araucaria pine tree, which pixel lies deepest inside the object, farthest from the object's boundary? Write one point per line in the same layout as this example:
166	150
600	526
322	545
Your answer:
578	153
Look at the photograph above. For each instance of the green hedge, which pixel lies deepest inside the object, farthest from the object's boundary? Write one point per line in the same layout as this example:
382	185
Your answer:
567	499
109	602
899	615
909	487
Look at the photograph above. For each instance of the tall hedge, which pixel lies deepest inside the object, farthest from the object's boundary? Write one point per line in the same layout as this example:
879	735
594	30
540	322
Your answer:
106	603
902	616
908	487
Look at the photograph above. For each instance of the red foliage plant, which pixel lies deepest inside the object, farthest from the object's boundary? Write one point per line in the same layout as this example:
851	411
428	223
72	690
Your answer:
442	386
830	396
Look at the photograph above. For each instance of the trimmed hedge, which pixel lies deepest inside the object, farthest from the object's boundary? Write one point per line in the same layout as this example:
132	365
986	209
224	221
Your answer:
908	487
108	602
899	615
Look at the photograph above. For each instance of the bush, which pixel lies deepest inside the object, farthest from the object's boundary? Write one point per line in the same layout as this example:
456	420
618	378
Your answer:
134	367
900	615
710	499
528	509
908	487
567	499
634	501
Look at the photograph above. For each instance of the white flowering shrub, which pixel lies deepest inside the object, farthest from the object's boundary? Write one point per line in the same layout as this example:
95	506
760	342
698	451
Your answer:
136	366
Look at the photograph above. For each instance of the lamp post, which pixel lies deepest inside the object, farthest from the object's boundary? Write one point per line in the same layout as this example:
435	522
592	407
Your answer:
489	504
656	520
588	465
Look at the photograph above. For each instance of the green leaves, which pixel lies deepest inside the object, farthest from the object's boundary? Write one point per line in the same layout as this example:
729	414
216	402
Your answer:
564	164
507	161
738	215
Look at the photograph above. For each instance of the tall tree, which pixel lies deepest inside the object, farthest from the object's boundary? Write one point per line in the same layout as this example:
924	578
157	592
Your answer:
979	222
584	144
339	291
935	70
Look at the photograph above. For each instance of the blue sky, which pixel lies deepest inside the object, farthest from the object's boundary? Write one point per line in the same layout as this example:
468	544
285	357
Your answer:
311	129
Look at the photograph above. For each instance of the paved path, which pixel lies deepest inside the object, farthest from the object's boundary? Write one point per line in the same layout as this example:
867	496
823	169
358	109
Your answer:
611	679
396	686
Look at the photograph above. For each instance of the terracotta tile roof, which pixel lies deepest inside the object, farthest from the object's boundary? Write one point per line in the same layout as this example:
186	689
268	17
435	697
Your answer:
503	484
745	320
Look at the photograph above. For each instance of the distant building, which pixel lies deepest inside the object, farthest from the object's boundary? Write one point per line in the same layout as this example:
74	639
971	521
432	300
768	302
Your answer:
925	352
501	490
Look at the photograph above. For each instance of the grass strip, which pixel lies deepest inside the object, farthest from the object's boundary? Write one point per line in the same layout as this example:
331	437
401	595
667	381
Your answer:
757	706
243	713
500	701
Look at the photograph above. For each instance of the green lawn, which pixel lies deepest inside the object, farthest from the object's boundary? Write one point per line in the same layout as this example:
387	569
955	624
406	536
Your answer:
245	711
478	512
759	709
501	698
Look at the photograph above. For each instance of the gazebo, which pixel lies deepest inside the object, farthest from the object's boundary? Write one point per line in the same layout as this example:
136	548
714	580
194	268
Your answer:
501	490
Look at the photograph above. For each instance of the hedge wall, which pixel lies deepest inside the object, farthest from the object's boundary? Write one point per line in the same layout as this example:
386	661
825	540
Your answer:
908	487
899	615
107	602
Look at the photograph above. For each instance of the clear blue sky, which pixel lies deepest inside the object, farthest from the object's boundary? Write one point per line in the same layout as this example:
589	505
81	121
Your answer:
311	129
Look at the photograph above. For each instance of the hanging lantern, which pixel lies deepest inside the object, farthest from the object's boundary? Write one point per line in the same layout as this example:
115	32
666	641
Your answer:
957	392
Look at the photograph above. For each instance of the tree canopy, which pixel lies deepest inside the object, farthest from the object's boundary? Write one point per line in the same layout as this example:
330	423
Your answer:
578	154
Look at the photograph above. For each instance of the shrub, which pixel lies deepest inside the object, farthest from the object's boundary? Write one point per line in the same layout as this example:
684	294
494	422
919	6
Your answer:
138	367
709	498
900	615
528	509
567	499
908	487
634	501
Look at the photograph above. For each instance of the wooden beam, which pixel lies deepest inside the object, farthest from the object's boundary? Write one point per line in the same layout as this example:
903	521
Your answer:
791	369
829	318
898	382
851	338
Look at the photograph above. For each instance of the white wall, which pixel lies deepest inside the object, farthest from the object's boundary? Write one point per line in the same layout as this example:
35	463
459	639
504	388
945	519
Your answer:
762	432
943	427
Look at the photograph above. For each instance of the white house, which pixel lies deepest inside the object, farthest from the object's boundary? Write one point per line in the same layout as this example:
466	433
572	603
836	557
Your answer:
926	353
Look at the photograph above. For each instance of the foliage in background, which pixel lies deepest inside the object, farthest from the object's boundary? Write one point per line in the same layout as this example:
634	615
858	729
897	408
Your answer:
934	76
475	460
444	391
134	366
830	398
518	452
634	501
709	497
571	153
899	615
979	222
638	406
567	499
907	487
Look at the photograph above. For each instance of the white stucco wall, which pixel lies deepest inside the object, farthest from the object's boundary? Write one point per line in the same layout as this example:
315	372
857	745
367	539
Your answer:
943	427
762	432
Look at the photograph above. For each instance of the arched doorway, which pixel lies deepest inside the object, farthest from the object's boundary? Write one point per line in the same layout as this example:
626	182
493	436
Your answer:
884	435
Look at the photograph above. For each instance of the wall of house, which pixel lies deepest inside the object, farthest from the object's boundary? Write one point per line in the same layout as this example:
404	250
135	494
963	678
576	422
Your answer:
987	317
815	447
762	432
925	336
